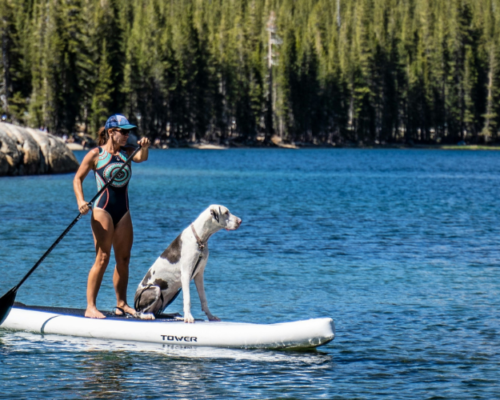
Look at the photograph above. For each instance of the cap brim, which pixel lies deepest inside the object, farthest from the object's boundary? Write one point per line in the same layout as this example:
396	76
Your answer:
129	126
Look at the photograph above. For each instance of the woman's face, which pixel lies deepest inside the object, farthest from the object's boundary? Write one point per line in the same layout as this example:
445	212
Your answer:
120	136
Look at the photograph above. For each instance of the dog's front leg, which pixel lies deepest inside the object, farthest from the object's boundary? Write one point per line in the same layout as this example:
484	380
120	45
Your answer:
200	286
185	280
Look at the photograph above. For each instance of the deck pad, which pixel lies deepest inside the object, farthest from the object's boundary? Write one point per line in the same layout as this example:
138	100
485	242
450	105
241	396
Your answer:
80	312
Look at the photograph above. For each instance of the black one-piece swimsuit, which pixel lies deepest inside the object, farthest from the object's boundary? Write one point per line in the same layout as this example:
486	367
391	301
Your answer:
115	198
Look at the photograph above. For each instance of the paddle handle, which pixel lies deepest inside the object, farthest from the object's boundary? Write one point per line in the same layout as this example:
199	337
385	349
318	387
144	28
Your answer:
76	220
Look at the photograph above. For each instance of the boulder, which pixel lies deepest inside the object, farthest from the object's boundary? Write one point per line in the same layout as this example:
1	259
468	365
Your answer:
26	151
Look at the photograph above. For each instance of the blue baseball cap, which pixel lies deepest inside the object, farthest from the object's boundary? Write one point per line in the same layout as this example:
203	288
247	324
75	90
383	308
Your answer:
118	121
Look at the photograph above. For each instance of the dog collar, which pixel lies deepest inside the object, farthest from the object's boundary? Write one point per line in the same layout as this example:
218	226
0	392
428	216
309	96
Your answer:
201	245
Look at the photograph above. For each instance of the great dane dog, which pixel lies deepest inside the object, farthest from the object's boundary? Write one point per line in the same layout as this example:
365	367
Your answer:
185	259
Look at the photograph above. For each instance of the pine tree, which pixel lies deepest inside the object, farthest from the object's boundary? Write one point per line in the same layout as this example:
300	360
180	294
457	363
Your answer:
102	97
7	53
370	70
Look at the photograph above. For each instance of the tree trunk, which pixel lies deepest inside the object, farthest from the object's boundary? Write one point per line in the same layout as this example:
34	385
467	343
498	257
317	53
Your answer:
489	97
5	61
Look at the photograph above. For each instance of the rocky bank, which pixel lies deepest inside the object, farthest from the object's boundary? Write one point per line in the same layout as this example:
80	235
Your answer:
26	151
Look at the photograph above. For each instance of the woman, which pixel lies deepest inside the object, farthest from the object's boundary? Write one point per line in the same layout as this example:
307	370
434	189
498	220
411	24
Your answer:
111	222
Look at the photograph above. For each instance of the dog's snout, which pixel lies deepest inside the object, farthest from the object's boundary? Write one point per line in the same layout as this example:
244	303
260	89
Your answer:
235	224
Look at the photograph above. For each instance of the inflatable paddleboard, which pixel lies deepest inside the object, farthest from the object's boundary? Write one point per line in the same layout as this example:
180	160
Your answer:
170	329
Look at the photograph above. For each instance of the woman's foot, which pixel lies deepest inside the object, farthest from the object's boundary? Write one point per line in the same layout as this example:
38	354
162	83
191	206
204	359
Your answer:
93	312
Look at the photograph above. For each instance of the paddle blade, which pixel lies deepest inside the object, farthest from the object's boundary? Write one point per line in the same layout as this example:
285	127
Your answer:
6	303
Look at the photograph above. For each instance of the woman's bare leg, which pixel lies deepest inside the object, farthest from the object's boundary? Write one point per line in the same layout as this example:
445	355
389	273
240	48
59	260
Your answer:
122	244
103	230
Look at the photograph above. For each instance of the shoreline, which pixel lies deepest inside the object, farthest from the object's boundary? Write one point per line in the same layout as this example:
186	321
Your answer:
401	147
276	143
322	147
215	146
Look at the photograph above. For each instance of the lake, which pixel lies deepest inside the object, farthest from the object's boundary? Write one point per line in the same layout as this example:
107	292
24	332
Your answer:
399	247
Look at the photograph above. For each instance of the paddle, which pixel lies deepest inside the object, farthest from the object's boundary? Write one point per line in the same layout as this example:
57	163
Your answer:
7	300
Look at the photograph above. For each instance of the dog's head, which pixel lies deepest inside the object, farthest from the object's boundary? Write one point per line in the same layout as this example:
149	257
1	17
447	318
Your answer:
223	217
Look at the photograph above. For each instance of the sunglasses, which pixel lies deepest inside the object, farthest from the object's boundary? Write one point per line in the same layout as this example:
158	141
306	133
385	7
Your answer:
123	132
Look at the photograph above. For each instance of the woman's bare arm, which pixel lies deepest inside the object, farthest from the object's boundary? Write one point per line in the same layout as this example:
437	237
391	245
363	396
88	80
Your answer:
143	154
86	166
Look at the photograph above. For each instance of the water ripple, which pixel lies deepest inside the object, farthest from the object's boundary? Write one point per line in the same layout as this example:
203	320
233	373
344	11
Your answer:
399	247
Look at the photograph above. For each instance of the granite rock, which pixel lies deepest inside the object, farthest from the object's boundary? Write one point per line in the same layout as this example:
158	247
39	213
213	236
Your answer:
26	151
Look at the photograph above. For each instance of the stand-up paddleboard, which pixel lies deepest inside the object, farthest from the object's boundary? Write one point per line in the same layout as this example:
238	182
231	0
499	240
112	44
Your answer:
171	329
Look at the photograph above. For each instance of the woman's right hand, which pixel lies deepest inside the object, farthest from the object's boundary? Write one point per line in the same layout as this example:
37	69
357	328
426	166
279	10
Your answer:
83	207
88	163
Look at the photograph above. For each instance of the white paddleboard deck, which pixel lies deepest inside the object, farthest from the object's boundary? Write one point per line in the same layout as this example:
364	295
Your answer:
169	330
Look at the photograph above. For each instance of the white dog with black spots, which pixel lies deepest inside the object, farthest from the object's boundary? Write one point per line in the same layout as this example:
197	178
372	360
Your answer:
185	259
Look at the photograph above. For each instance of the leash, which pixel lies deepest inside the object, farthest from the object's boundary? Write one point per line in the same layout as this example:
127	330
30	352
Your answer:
201	245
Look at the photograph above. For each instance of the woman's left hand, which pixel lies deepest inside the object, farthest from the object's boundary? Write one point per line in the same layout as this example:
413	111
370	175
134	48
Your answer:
142	155
144	143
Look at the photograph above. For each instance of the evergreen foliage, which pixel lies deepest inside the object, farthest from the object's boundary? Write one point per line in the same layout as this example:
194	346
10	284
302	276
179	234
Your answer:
371	71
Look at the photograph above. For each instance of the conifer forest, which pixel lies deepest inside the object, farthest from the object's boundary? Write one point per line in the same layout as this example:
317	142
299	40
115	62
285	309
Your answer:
308	71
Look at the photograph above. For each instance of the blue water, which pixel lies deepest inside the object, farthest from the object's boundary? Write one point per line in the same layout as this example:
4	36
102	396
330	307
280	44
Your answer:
400	247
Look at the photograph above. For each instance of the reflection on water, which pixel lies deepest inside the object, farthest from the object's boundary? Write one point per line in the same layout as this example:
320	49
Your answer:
105	373
36	342
102	368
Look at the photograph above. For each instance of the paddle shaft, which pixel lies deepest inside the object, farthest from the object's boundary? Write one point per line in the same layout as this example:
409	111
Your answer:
75	221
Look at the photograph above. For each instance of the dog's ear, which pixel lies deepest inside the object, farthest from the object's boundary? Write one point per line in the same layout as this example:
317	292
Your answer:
215	215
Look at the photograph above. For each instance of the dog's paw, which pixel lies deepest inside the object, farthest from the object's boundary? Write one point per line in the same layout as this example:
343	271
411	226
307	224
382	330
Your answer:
148	316
188	318
213	318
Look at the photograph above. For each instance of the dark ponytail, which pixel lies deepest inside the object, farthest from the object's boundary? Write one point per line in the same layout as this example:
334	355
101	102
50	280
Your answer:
102	136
